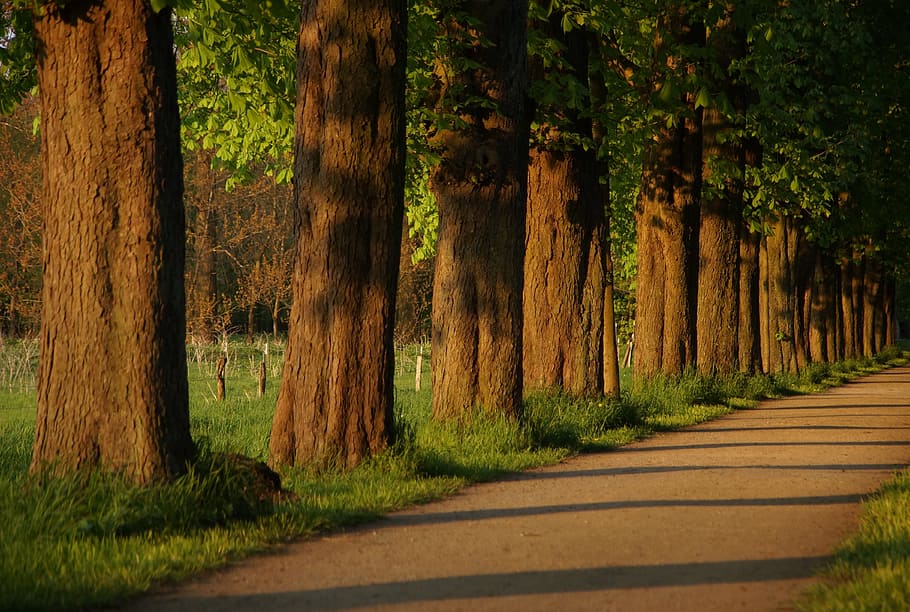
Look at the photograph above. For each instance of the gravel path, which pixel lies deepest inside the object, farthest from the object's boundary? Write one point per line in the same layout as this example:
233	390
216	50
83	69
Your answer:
735	514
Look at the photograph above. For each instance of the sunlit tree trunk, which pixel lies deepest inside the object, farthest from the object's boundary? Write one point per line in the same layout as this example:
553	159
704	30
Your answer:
336	397
667	230
112	384
565	257
481	190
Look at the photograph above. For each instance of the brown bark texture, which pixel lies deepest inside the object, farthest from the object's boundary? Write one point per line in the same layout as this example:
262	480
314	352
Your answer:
565	268
112	383
779	303
667	232
667	226
749	358
481	189
848	313
717	310
717	318
336	396
565	274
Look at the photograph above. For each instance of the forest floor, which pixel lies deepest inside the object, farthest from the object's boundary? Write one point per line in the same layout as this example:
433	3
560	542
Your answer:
740	513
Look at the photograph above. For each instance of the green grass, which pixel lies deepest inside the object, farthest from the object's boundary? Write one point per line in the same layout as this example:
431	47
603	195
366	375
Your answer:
93	540
871	571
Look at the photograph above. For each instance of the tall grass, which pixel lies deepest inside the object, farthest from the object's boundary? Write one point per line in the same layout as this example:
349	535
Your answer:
91	539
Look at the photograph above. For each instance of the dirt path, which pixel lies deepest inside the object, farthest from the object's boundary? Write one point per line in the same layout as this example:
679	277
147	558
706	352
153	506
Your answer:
736	514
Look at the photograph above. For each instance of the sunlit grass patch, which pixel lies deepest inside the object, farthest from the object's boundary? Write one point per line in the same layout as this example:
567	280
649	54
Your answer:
871	570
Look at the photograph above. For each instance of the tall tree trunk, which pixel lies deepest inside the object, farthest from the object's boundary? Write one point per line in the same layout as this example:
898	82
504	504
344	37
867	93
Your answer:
206	290
779	315
748	325
112	386
888	311
667	230
718	256
717	322
871	308
750	356
336	397
565	254
667	222
848	313
481	189
821	313
857	282
564	274
802	264
599	99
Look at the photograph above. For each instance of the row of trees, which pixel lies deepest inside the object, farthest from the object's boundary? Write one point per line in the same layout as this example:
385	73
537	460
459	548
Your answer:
756	144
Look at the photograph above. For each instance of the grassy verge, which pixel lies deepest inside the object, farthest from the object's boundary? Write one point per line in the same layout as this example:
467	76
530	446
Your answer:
93	540
871	570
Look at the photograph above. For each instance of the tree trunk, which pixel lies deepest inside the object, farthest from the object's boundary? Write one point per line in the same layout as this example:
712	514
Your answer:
717	322
564	274
599	98
748	324
667	230
857	281
481	189
112	385
802	263
250	323
888	308
336	397
205	302
779	315
848	313
821	317
565	267
871	308
718	257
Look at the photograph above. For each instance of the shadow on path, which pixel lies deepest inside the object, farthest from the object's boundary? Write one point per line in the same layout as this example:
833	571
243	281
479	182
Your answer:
478	586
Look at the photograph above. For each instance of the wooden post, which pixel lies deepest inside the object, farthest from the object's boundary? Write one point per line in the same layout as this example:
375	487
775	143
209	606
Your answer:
419	369
219	374
630	347
262	378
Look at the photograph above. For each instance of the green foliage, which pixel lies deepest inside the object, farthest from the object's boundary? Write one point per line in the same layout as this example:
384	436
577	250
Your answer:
17	65
236	74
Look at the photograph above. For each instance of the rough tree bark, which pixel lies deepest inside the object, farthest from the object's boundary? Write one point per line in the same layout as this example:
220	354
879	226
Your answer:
481	189
848	312
872	307
749	358
667	229
717	318
717	311
565	263
336	397
112	386
565	274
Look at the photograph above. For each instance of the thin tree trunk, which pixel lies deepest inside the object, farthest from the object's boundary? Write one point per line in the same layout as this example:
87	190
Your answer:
336	397
481	190
112	385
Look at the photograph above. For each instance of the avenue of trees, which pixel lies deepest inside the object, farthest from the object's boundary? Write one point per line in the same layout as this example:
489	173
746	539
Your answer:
729	176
